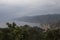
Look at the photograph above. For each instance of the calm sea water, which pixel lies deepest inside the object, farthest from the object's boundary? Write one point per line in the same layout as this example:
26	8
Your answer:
20	23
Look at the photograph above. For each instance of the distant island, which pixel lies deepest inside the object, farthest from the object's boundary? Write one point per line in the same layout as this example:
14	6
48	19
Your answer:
41	18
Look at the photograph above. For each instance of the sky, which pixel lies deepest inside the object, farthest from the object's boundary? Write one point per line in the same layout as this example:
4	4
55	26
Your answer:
10	9
18	8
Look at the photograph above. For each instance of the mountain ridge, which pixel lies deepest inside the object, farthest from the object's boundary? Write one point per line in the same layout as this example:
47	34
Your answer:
41	18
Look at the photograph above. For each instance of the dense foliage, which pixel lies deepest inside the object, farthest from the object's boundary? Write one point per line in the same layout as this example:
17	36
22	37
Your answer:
15	32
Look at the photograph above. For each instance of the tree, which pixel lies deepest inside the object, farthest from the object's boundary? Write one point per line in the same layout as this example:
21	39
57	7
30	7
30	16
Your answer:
52	34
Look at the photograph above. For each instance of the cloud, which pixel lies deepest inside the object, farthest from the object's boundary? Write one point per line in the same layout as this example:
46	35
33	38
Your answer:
10	8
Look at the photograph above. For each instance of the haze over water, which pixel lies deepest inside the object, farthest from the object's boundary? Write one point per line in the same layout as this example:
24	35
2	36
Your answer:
20	23
10	9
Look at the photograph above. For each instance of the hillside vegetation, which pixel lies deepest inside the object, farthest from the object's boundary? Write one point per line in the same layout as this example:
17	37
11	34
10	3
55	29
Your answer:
15	32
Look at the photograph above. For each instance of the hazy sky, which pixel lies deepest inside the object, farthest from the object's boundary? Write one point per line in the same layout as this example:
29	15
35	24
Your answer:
16	8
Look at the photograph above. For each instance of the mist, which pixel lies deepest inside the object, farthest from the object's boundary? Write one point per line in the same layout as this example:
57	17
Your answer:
18	8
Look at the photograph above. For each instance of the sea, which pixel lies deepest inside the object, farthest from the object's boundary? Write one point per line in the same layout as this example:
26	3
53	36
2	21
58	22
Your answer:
19	23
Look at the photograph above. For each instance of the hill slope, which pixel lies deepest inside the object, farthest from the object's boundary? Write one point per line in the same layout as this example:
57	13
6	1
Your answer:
41	18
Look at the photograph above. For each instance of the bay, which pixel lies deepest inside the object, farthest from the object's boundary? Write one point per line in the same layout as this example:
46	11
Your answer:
20	23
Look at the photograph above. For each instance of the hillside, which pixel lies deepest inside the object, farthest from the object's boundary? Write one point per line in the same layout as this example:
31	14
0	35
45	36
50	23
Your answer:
41	18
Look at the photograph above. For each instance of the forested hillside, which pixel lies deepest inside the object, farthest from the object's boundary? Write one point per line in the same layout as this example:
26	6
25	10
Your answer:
15	32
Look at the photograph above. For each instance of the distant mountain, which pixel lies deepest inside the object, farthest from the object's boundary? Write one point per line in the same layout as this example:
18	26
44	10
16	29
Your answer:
41	18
